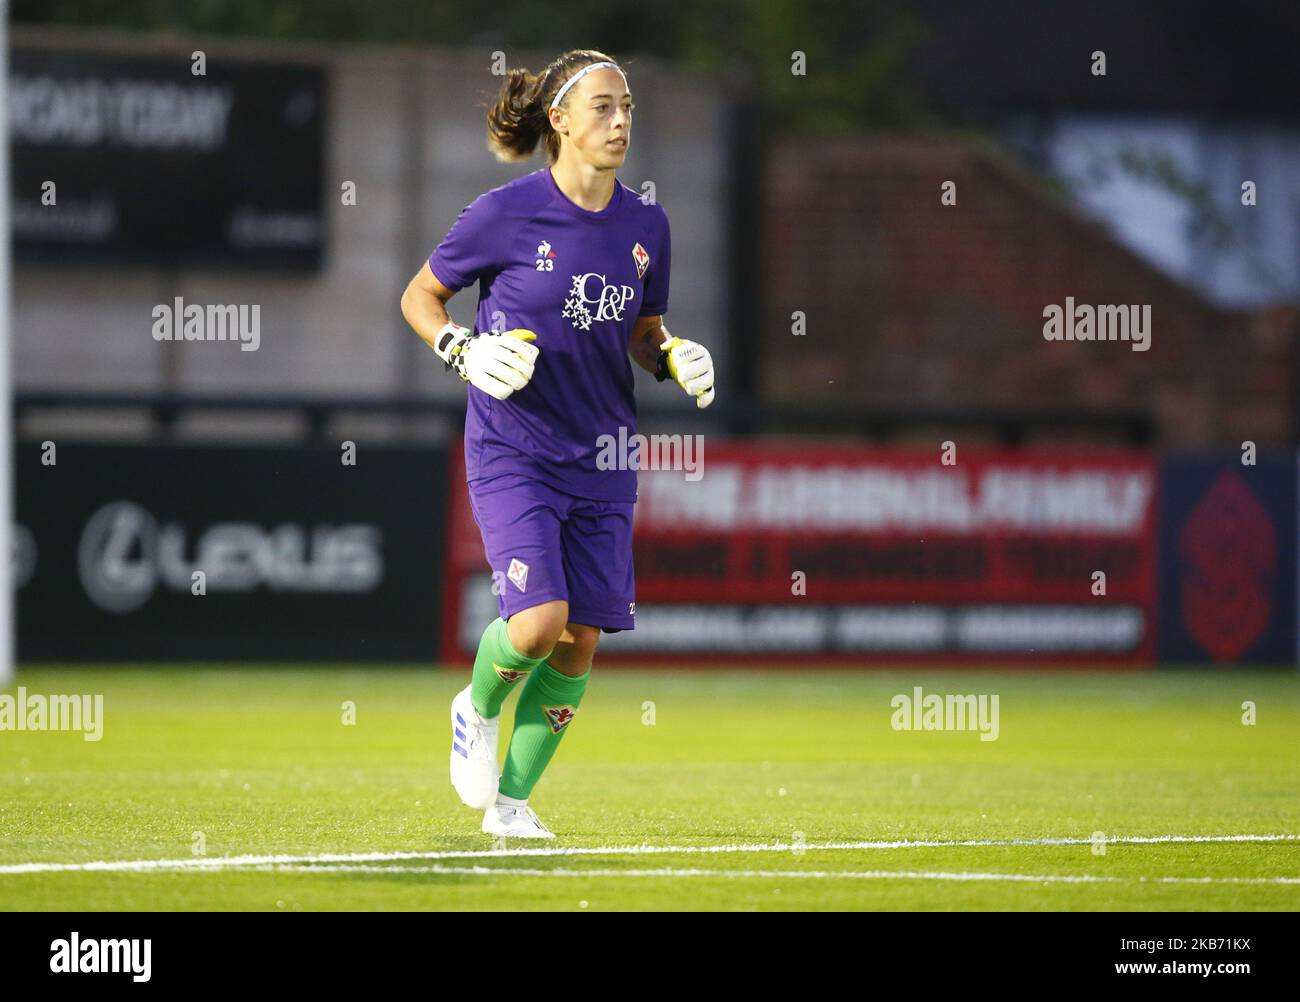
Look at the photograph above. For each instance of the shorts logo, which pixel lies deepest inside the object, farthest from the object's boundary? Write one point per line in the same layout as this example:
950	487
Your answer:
518	574
509	674
558	716
642	260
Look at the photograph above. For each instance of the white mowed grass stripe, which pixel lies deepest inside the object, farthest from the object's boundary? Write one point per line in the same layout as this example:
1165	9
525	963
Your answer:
234	862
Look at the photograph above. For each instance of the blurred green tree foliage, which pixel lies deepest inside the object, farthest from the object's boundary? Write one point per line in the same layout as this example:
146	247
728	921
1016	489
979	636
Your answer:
855	51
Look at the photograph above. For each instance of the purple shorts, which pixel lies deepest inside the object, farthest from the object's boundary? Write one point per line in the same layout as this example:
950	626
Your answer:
545	545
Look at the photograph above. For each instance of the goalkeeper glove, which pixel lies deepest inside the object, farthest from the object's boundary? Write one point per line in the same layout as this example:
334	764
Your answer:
498	363
690	365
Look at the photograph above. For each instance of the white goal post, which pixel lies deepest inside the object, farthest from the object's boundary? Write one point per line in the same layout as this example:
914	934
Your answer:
6	383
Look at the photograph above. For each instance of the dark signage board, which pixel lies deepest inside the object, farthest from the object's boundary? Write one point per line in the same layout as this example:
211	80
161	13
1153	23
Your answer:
220	553
123	159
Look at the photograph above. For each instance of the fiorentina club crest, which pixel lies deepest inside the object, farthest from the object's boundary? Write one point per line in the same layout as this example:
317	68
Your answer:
642	260
558	716
508	674
518	574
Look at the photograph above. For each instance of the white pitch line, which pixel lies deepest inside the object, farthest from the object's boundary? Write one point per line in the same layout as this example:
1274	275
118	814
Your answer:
1054	878
234	862
481	871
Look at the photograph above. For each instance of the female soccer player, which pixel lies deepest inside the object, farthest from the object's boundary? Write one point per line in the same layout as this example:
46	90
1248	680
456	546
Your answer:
572	269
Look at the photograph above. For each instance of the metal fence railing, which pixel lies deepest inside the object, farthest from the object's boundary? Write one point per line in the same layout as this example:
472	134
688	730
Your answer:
741	418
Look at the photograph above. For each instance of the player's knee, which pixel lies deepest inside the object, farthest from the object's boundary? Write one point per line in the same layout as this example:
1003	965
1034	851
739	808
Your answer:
535	632
585	639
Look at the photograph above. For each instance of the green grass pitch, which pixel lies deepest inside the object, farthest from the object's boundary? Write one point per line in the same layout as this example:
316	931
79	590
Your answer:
757	771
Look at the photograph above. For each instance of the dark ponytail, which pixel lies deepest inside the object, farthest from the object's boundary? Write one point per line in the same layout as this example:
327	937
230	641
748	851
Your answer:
520	118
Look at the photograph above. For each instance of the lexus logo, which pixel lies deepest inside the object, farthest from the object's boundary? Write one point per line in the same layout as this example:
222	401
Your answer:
117	558
124	556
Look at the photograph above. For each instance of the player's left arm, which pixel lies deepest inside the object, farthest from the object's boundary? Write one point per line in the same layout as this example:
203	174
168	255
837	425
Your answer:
648	334
657	351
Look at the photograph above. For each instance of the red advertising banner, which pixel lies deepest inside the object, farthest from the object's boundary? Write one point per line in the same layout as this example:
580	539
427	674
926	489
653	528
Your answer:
841	552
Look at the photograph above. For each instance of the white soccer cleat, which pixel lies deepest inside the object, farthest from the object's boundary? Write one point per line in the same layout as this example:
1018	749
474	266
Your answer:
474	770
515	822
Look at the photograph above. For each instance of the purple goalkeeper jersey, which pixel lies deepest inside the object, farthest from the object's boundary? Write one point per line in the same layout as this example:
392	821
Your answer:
579	280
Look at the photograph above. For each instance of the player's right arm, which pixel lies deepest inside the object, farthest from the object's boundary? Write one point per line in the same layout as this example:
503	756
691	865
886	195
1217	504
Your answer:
424	304
497	363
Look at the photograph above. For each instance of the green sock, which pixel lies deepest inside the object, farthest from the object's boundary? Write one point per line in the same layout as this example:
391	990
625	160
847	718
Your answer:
547	703
497	667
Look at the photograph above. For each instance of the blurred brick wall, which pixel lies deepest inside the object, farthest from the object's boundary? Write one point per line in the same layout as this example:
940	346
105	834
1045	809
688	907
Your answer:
913	304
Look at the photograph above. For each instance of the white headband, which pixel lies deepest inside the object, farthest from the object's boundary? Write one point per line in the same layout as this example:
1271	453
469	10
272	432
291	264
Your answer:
559	94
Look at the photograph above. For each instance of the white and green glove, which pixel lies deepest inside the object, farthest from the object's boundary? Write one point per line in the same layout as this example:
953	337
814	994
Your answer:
690	365
497	362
